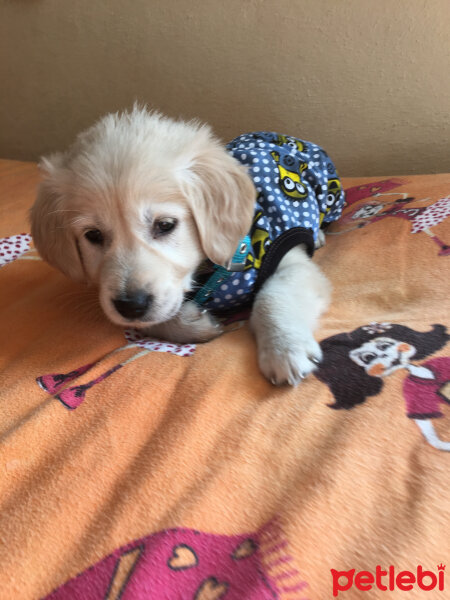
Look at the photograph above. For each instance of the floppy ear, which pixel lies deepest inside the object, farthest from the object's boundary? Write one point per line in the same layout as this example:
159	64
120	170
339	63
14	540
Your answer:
50	219
221	196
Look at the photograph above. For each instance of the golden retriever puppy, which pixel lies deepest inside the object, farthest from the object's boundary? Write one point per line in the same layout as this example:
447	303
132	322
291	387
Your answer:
141	203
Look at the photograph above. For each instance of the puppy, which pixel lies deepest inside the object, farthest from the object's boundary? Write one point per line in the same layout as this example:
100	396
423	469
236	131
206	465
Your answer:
174	229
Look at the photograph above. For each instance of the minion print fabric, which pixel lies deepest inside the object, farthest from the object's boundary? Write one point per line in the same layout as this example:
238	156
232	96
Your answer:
299	192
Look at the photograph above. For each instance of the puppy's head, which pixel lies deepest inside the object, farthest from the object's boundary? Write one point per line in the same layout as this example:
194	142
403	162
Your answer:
135	205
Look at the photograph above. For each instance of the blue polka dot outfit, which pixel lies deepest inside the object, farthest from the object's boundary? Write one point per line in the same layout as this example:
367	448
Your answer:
298	192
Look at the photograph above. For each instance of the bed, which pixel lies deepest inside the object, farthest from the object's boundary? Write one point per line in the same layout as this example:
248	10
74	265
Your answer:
132	468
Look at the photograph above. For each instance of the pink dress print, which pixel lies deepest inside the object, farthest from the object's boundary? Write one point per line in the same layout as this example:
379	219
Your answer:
423	397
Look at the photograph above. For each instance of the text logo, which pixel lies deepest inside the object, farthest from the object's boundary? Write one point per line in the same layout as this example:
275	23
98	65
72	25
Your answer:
388	579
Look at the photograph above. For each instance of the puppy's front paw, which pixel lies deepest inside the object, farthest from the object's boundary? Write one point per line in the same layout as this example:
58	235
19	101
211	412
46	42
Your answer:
290	363
320	239
190	325
198	324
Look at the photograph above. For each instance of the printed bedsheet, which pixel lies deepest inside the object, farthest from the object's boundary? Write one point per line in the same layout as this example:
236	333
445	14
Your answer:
133	468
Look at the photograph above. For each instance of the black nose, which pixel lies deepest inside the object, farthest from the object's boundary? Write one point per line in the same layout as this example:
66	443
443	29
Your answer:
134	305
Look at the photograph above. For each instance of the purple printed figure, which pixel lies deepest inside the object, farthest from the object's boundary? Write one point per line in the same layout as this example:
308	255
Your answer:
432	215
183	563
55	383
422	218
356	364
367	190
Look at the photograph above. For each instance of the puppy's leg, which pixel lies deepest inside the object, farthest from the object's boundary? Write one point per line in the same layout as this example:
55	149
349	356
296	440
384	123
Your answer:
320	239
191	324
284	315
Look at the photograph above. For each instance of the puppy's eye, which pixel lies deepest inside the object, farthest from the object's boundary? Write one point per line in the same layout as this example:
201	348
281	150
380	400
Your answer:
94	236
164	226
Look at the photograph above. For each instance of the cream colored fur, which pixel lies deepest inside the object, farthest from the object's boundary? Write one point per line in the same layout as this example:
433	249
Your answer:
132	171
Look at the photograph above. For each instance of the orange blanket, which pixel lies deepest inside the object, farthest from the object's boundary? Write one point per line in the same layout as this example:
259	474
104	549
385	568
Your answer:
133	469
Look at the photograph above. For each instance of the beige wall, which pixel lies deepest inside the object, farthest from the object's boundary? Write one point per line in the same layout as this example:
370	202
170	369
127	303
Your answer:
367	79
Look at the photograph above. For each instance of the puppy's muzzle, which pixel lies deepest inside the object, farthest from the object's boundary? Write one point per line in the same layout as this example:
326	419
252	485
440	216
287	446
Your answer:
133	306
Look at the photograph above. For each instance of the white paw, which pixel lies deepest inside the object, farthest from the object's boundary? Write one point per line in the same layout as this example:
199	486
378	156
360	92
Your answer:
192	324
291	363
320	239
197	323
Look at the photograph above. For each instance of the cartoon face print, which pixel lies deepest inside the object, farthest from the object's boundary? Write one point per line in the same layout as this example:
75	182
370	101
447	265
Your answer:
292	142
284	140
334	191
259	239
333	196
260	242
367	211
290	181
382	356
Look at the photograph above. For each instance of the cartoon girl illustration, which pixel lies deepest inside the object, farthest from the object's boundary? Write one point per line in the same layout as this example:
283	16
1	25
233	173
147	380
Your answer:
56	384
422	218
356	364
65	388
368	190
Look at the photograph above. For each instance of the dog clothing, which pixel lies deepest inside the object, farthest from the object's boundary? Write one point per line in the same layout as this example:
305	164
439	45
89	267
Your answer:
299	192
